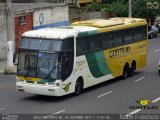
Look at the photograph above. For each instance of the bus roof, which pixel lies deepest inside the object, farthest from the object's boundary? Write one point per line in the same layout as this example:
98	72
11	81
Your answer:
101	23
85	28
59	32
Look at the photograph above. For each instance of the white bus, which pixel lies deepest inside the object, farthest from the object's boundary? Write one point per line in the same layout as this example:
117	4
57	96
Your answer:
63	60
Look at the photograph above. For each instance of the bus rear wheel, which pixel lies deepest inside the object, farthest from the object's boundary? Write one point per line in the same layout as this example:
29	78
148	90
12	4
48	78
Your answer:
125	72
132	69
78	87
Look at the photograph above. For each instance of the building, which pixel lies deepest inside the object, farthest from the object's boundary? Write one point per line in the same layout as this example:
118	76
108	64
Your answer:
29	16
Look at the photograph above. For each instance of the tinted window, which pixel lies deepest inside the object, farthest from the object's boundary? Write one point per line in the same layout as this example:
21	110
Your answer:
56	46
129	35
41	44
140	33
95	42
107	39
68	44
82	45
118	38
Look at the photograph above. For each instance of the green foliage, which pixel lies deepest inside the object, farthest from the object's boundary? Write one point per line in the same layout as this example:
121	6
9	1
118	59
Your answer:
120	8
140	8
93	7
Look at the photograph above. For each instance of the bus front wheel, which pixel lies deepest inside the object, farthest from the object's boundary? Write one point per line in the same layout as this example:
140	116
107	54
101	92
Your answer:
78	87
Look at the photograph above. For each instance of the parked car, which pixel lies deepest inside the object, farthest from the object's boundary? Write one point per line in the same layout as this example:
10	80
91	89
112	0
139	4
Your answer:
152	31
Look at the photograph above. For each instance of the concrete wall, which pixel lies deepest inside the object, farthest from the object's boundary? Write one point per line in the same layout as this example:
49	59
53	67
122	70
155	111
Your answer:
90	15
50	17
3	36
74	14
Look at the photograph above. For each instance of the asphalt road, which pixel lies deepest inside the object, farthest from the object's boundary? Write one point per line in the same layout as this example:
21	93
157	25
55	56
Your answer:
115	96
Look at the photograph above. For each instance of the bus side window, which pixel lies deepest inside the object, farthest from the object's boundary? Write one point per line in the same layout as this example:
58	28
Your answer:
67	65
118	37
95	42
140	33
81	45
129	35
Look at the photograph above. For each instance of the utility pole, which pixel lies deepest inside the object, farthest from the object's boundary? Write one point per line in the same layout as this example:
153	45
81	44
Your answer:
10	36
130	9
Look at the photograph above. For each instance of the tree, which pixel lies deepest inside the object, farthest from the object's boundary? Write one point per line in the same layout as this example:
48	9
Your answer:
117	7
148	9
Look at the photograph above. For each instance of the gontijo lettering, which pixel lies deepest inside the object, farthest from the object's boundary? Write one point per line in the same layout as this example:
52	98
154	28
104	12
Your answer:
119	51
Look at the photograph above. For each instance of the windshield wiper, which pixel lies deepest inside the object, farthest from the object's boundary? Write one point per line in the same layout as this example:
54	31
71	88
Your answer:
51	71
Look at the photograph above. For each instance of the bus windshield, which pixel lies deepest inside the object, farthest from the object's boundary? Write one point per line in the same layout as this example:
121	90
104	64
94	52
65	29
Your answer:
40	64
41	44
40	58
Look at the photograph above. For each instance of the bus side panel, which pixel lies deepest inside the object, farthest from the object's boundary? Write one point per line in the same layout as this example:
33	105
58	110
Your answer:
93	68
97	67
140	53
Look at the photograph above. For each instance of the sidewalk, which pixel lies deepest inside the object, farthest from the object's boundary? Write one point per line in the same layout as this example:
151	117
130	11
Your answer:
3	64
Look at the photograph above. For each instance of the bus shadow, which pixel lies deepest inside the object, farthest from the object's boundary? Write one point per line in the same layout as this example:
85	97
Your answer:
42	98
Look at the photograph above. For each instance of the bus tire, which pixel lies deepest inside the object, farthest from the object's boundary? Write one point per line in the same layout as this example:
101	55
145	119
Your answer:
132	69
78	87
159	72
125	72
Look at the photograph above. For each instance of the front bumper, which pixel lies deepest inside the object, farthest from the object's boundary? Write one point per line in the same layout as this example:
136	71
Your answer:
39	89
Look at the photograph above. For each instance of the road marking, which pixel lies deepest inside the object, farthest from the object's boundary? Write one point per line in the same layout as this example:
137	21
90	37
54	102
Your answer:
134	112
54	114
1	108
58	112
139	79
104	94
156	100
157	50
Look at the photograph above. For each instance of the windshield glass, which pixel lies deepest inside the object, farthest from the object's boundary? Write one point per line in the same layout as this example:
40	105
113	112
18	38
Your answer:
41	44
43	58
39	64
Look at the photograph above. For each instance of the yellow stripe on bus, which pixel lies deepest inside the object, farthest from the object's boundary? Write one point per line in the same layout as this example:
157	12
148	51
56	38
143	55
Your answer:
28	78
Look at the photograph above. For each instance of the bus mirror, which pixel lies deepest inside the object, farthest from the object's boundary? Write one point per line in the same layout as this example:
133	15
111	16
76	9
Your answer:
14	59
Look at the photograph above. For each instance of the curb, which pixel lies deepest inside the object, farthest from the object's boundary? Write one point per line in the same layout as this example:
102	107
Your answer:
1	73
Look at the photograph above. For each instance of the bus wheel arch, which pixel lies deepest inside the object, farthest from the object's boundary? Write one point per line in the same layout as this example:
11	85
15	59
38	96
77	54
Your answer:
79	86
125	73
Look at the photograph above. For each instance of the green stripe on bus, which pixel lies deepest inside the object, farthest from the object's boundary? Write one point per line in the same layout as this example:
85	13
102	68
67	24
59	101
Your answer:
87	33
93	65
102	63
